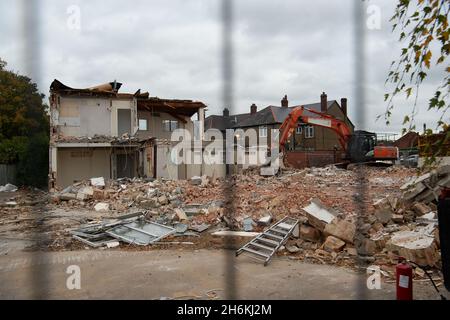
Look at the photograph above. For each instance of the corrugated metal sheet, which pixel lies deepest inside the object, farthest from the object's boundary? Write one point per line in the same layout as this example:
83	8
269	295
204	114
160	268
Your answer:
7	174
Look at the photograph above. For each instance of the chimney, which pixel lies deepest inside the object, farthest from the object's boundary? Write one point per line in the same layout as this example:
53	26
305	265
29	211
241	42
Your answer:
253	108
323	102
344	106
424	128
226	112
284	102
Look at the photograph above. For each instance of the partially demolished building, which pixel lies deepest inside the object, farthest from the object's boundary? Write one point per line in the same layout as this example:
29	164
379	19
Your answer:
98	131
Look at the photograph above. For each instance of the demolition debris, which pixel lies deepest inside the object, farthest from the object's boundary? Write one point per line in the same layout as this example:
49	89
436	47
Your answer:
400	217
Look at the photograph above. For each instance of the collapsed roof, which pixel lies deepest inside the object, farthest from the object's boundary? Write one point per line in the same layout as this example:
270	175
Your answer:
144	101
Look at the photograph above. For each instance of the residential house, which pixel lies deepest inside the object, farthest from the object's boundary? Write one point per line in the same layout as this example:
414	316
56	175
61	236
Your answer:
308	146
98	131
407	144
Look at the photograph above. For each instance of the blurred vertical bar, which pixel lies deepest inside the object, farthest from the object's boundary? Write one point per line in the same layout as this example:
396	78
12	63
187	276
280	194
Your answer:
359	92
31	29
227	96
32	62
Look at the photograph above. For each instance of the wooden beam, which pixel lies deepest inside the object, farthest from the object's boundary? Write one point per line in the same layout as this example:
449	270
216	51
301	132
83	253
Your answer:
176	116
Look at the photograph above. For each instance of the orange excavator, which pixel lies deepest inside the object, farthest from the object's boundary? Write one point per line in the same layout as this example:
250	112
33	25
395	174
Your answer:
359	147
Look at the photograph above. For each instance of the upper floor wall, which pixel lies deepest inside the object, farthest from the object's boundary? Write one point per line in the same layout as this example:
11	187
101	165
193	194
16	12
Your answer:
90	116
103	111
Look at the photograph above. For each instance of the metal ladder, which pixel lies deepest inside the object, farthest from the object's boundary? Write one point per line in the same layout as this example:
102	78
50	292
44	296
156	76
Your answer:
264	246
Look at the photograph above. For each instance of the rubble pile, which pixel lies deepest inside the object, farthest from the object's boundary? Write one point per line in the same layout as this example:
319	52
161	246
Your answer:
164	200
203	200
402	224
399	206
97	138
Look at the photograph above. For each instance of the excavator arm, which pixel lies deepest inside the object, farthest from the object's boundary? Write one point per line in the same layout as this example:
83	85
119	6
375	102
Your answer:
322	120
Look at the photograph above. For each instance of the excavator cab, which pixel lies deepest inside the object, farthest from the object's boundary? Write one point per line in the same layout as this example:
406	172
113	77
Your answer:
361	146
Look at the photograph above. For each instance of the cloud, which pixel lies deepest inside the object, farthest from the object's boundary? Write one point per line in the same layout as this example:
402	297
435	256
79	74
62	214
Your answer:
173	49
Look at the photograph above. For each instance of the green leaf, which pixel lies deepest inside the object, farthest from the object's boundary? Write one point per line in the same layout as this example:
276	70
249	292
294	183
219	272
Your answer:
406	120
427	58
408	92
422	75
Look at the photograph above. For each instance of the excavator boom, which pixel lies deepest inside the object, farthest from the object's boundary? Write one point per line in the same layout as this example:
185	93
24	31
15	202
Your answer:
322	120
356	146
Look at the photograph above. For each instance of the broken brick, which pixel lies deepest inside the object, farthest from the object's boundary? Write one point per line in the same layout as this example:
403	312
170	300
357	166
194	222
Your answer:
341	229
333	244
309	233
420	208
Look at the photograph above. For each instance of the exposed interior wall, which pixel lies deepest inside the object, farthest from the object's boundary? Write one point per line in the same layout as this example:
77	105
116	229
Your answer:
76	164
182	171
165	168
193	170
123	121
211	170
214	170
81	116
84	116
155	127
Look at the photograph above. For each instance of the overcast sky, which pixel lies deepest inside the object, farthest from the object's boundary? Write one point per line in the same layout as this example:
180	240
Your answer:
172	49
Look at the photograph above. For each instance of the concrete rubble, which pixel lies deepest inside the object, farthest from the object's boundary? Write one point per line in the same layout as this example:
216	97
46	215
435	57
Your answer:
8	188
399	218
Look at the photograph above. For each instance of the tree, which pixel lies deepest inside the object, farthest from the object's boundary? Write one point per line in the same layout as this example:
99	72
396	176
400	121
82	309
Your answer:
423	26
24	127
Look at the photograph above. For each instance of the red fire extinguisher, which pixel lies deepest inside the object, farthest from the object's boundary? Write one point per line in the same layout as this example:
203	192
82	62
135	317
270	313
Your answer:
404	280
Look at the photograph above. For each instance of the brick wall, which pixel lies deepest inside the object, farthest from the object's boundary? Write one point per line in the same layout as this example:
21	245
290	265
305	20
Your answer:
303	159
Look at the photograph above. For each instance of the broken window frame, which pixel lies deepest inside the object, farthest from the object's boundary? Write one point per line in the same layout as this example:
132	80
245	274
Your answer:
94	242
113	233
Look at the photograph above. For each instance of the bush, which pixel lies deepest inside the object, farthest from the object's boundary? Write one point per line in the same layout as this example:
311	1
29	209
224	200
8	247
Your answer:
10	149
32	167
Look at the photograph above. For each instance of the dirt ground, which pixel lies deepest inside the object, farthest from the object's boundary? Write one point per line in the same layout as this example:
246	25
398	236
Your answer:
181	274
